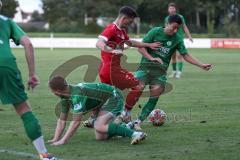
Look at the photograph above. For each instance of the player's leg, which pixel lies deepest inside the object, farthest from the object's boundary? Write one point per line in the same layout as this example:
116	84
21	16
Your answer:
179	66
174	66
31	125
12	92
134	94
155	92
131	99
105	128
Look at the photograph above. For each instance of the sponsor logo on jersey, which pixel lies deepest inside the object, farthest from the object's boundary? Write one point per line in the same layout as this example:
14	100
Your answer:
169	43
77	107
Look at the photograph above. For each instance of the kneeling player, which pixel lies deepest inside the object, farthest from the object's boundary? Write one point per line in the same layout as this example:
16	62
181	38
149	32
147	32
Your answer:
74	97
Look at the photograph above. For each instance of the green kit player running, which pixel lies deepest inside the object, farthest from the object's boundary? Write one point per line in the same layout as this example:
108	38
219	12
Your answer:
75	98
154	73
177	60
11	85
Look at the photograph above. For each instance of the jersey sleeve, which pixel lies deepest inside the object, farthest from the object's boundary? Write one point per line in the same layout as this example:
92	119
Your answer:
107	33
181	48
183	19
65	106
16	32
148	38
79	104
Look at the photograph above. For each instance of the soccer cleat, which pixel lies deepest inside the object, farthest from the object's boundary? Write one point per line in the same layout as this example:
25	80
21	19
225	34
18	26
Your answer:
47	157
137	137
173	75
137	126
178	74
89	123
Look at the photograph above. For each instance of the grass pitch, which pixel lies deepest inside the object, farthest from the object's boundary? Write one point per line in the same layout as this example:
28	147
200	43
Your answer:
203	113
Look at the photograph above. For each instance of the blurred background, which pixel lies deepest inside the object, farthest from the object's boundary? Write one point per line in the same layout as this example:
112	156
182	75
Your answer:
205	18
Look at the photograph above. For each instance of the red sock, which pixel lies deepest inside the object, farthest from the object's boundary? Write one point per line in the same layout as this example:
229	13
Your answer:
132	98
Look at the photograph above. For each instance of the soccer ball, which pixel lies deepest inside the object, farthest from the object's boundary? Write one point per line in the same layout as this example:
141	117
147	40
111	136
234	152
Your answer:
157	117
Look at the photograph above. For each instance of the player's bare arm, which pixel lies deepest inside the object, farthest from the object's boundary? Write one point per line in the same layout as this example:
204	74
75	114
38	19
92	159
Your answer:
61	124
144	52
186	30
71	130
33	80
102	45
134	43
190	59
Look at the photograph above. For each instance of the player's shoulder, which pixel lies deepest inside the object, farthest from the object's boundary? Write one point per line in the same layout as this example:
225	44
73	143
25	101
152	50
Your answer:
156	30
111	26
3	18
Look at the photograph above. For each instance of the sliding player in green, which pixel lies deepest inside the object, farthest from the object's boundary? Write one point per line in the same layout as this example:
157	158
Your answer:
75	97
154	73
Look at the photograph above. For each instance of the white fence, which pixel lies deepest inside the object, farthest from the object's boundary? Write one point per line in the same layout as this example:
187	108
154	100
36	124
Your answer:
91	42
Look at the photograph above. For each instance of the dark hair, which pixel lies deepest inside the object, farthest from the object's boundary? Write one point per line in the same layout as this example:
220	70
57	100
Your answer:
128	11
172	5
57	83
175	18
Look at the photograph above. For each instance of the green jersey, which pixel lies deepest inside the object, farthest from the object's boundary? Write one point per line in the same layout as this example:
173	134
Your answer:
180	30
84	97
169	45
9	30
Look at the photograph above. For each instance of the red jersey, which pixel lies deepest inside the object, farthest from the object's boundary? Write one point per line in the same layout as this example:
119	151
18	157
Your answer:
115	38
110	71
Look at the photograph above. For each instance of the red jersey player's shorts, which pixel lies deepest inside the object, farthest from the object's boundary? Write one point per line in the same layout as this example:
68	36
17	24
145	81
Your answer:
117	76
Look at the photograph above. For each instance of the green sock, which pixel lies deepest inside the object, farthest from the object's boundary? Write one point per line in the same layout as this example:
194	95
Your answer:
119	130
31	126
180	66
174	66
148	108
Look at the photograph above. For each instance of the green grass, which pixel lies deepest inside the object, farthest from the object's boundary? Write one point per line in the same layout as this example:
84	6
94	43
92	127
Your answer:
198	96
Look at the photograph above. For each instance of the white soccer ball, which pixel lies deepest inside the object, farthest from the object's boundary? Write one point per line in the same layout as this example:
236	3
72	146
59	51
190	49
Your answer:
157	117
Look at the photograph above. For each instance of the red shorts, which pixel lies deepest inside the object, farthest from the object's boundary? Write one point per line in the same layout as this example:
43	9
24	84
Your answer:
117	76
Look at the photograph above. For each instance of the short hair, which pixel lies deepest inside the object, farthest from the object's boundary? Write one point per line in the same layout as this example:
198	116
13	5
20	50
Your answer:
57	83
128	11
1	4
172	5
175	18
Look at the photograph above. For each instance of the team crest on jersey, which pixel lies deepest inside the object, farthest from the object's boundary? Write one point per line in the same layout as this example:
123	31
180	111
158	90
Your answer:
169	43
77	107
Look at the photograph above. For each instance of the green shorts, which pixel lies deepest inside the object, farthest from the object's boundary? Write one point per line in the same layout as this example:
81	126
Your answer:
151	76
114	104
11	86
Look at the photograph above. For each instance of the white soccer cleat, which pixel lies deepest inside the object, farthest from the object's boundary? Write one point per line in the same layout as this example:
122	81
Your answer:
178	74
138	137
173	75
47	157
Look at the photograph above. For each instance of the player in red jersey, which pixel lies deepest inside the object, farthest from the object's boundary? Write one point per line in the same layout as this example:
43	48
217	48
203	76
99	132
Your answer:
111	42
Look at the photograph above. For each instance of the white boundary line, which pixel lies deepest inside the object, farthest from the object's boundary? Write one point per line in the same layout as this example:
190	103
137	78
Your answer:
21	154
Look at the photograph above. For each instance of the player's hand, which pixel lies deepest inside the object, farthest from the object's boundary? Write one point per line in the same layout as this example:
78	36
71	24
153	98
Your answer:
117	51
206	67
58	143
156	60
33	81
154	45
52	140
